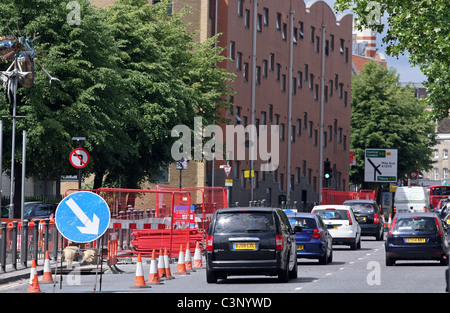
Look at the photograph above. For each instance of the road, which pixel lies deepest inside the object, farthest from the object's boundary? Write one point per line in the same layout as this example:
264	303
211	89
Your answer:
352	271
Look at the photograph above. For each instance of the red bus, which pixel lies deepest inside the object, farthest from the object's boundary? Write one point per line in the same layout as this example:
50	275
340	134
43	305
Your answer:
437	193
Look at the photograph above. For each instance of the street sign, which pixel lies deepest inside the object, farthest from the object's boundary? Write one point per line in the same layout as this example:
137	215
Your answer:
227	170
380	165
82	217
182	164
79	158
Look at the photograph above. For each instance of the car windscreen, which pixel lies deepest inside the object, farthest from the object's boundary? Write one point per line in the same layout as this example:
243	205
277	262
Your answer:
239	222
362	208
305	222
333	214
411	224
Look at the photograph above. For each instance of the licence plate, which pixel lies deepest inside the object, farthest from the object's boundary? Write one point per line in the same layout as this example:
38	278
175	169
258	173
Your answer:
362	219
244	246
415	240
300	247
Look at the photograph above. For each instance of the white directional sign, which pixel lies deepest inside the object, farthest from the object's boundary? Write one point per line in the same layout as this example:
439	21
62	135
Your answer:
380	165
82	217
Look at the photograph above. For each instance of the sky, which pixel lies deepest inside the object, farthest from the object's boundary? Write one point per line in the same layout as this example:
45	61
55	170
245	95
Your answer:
404	69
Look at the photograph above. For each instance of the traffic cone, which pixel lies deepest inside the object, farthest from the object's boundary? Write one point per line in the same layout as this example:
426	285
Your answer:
181	268
47	278
198	256
34	283
187	259
139	281
153	278
167	273
161	271
389	221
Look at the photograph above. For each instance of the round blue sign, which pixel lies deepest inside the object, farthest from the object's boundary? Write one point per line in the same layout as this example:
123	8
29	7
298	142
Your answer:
82	217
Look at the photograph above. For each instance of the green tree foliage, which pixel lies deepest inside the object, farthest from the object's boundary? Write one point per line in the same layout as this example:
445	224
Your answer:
386	115
421	28
128	75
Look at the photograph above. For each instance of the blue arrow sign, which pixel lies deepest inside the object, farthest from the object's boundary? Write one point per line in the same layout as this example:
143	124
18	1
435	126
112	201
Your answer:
82	217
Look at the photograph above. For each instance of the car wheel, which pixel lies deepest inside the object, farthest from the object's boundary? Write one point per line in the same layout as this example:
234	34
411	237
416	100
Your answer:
211	276
380	235
389	261
443	261
283	274
323	260
330	257
294	273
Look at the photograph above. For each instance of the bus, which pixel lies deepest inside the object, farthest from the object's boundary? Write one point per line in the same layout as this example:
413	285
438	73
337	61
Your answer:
437	193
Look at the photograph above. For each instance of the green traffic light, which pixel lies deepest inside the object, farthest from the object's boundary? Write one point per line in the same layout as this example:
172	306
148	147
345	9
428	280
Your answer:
327	175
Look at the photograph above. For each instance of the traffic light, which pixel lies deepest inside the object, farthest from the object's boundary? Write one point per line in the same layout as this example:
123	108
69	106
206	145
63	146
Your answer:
327	170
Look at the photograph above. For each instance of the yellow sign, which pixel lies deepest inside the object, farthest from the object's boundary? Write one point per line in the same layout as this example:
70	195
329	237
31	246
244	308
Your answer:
247	174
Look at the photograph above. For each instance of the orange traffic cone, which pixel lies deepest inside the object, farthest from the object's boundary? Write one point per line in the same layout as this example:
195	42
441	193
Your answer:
153	278
47	278
389	221
187	259
161	271
34	283
181	268
198	256
139	281
167	273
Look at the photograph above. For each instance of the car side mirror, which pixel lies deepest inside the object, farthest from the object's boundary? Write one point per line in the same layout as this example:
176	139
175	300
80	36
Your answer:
298	229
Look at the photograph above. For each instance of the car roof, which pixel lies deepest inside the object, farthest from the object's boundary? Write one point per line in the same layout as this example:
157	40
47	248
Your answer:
413	214
331	206
252	209
301	214
359	201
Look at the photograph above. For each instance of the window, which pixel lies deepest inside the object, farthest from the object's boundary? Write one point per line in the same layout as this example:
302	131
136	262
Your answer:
245	72
341	48
445	176
283	83
232	50
445	154
317	43
294	85
278	73
311	81
258	75
310	130
294	35
284	32
281	132
266	17
240	8
259	23
436	154
300	28
332	42
312	35
327	47
300	80
270	113
271	62
292	133
306	72
264	69
263	118
239	61
341	87
316	92
247	19
278	21
436	173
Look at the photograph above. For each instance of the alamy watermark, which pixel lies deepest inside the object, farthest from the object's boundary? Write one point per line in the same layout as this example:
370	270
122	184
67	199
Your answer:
237	139
74	15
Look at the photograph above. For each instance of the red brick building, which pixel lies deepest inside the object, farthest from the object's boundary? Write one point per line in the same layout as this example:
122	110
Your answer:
290	39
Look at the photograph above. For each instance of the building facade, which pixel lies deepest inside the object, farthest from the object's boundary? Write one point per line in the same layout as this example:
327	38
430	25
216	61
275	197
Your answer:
293	66
290	59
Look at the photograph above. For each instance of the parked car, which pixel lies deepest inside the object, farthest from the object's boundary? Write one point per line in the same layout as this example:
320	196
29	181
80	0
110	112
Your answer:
369	217
250	241
416	236
33	210
314	241
341	223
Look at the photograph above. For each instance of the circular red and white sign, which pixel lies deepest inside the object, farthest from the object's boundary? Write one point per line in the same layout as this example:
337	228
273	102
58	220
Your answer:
79	158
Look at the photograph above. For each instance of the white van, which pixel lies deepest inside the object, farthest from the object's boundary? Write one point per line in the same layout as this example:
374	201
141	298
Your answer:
411	199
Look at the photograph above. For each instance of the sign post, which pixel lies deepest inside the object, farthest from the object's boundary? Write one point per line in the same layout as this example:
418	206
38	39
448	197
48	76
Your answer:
380	165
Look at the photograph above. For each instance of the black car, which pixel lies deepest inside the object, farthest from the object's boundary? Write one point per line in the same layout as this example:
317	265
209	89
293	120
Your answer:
34	210
369	217
416	236
250	241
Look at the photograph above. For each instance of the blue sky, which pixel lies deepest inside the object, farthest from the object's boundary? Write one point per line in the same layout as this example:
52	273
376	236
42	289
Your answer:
404	69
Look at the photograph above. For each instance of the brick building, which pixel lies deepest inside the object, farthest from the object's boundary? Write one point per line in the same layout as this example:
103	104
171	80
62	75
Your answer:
282	42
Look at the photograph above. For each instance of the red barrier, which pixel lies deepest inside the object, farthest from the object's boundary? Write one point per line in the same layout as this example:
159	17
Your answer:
330	196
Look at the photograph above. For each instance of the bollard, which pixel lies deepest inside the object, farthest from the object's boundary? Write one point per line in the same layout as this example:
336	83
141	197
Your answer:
55	243
24	244
46	234
35	240
14	244
3	247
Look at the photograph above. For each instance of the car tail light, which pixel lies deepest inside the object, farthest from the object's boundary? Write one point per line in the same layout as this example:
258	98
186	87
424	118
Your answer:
376	218
350	222
316	233
392	226
438	227
209	243
279	242
394	210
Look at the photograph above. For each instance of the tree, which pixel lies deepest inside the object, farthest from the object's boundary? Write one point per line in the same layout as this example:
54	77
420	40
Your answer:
386	115
128	75
420	28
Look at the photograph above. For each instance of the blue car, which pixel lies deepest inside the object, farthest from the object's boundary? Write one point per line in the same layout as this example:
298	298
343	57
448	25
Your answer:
313	241
416	236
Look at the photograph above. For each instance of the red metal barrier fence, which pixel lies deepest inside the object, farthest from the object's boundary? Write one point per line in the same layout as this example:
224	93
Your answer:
330	196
